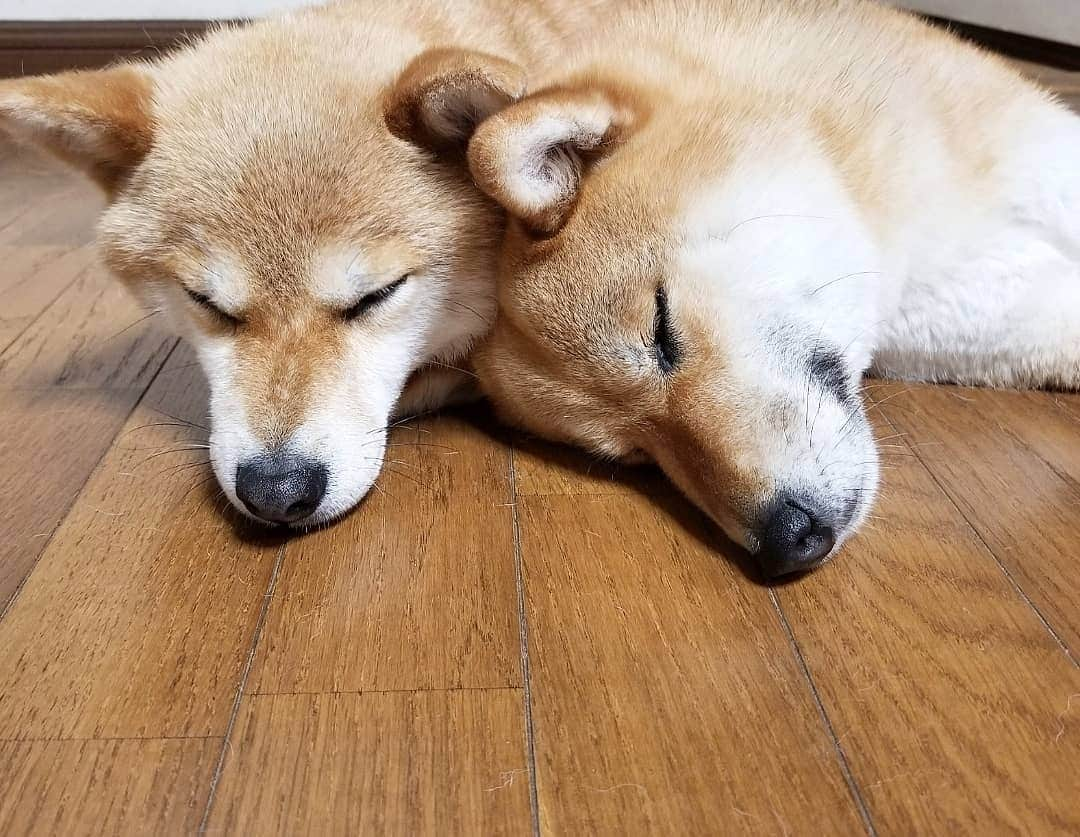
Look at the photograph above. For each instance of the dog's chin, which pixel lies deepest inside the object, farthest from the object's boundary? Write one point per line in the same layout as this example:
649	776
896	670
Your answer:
333	508
752	540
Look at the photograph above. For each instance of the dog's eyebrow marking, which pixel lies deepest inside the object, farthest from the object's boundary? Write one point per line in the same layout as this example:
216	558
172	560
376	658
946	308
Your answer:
828	369
341	277
224	279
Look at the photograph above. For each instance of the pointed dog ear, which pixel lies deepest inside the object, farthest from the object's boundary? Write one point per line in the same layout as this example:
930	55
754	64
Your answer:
98	120
533	156
443	94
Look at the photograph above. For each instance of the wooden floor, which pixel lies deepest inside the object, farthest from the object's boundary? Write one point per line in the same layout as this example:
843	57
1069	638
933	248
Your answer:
505	638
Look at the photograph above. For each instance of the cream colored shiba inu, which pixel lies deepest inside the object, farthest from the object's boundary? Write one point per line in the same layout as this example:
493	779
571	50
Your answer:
727	210
294	194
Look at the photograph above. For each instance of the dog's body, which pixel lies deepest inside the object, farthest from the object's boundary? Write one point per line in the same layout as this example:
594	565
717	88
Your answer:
727	211
294	194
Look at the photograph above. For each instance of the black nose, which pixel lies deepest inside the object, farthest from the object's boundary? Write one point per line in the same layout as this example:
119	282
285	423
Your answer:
796	539
281	488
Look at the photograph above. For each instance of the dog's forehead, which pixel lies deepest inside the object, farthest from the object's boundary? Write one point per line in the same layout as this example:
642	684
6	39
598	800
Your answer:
290	162
293	214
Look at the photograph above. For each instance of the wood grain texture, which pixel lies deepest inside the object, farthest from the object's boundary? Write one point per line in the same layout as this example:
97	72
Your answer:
140	612
85	372
117	787
46	464
957	710
43	203
94	336
1011	462
31	188
541	469
659	677
69	219
415	589
920	683
385	763
33	277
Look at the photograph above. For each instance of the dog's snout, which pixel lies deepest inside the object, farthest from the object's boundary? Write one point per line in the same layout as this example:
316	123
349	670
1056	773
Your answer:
281	488
795	539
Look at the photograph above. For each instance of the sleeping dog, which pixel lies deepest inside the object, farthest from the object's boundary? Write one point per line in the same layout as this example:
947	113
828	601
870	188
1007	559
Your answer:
727	210
293	194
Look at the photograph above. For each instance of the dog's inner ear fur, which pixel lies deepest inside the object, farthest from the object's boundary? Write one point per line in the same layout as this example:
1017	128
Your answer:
443	94
532	156
99	121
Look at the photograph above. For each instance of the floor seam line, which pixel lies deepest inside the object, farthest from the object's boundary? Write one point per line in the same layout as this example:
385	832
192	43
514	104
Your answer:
523	638
89	476
845	766
419	691
260	623
1024	597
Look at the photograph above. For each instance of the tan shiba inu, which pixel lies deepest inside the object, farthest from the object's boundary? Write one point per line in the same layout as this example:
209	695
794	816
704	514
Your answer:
726	211
294	194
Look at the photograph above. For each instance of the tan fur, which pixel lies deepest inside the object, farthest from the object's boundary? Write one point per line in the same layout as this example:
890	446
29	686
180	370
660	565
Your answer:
684	85
97	121
257	155
438	99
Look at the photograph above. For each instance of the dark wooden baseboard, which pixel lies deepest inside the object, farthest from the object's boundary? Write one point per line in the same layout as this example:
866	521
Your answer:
1024	47
28	48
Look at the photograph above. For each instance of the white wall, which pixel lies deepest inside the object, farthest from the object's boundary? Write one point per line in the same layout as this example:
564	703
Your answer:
141	9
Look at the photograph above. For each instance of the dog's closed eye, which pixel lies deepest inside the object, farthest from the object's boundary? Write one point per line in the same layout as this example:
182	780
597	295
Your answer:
665	340
207	304
371	300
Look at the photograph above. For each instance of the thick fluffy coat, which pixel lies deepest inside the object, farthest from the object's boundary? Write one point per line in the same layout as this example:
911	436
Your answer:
728	210
293	194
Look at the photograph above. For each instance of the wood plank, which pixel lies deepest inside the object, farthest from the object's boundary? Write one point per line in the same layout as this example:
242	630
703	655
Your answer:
1047	423
1069	402
957	710
105	787
413	590
58	436
33	277
31	62
25	199
542	468
983	446
665	695
1054	78
72	221
140	613
30	180
51	209
93	336
384	763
